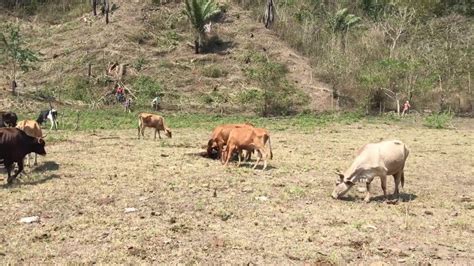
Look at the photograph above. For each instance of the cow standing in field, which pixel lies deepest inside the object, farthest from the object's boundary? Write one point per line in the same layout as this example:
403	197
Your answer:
250	139
375	159
219	138
51	115
8	119
14	146
154	121
32	129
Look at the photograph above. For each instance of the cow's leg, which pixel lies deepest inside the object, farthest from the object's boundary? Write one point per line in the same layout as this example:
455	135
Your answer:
367	195
36	157
9	167
159	135
20	169
397	178
230	150
239	155
138	128
264	155
259	157
383	183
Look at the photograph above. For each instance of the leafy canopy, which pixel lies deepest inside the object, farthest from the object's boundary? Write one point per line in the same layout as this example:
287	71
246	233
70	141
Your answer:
200	12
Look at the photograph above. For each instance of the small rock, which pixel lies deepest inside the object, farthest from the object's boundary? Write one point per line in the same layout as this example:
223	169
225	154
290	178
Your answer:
247	189
164	155
29	220
129	210
428	212
172	220
369	226
167	240
261	198
402	260
454	214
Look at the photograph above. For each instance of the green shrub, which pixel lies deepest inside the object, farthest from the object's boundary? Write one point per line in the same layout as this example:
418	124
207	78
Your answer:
79	88
440	120
214	72
146	87
250	96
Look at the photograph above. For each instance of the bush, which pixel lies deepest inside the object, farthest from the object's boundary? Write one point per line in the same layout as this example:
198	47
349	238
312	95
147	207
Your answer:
214	72
79	88
146	87
440	120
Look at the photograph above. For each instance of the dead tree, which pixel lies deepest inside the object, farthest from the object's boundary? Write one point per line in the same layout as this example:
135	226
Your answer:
104	9
269	15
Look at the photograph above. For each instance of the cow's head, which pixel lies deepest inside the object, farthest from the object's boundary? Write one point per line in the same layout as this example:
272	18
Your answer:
342	186
38	146
10	119
168	132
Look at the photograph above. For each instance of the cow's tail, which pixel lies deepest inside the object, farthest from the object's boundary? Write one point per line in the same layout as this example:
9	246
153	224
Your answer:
270	145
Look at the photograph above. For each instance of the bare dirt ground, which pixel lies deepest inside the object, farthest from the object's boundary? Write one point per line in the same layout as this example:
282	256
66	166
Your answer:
191	209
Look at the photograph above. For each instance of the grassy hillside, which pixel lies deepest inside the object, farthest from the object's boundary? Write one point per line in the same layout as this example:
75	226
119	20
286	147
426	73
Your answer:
155	43
370	49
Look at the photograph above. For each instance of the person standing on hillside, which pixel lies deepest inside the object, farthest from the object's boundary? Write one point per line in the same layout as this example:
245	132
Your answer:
406	107
119	93
128	105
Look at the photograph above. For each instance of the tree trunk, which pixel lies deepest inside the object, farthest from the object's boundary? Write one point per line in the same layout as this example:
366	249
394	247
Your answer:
196	46
89	70
269	15
94	7
13	86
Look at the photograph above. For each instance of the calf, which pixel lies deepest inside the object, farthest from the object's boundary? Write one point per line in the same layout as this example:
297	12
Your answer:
154	121
8	119
246	138
51	114
14	146
375	159
32	129
219	138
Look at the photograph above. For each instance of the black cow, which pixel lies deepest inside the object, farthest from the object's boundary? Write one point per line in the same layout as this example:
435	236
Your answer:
8	119
14	146
50	114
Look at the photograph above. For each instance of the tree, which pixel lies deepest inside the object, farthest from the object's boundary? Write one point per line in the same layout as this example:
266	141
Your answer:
342	22
269	15
13	51
104	9
200	13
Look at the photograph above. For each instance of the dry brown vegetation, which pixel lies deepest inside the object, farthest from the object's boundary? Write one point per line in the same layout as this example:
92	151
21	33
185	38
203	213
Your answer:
191	209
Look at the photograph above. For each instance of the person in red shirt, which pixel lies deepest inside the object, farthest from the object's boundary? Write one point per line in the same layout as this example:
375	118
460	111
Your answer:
119	94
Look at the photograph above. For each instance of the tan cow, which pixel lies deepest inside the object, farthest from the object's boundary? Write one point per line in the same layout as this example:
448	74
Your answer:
219	137
32	129
250	139
375	159
154	121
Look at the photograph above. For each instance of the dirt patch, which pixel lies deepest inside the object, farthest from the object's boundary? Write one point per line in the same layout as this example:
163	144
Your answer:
118	200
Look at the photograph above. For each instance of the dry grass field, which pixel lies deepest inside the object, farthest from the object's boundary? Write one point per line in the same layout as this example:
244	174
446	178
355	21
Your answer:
190	209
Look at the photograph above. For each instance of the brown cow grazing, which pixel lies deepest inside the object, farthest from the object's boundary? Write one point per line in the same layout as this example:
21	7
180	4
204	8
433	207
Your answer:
246	138
32	129
14	146
219	138
375	159
154	121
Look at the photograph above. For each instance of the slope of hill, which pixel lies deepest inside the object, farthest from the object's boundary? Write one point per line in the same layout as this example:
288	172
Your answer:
154	42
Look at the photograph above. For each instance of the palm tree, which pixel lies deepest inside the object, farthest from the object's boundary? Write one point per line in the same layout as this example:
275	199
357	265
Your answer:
200	13
342	22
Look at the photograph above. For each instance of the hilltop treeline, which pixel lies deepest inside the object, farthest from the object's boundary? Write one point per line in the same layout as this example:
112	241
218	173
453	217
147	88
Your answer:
375	52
